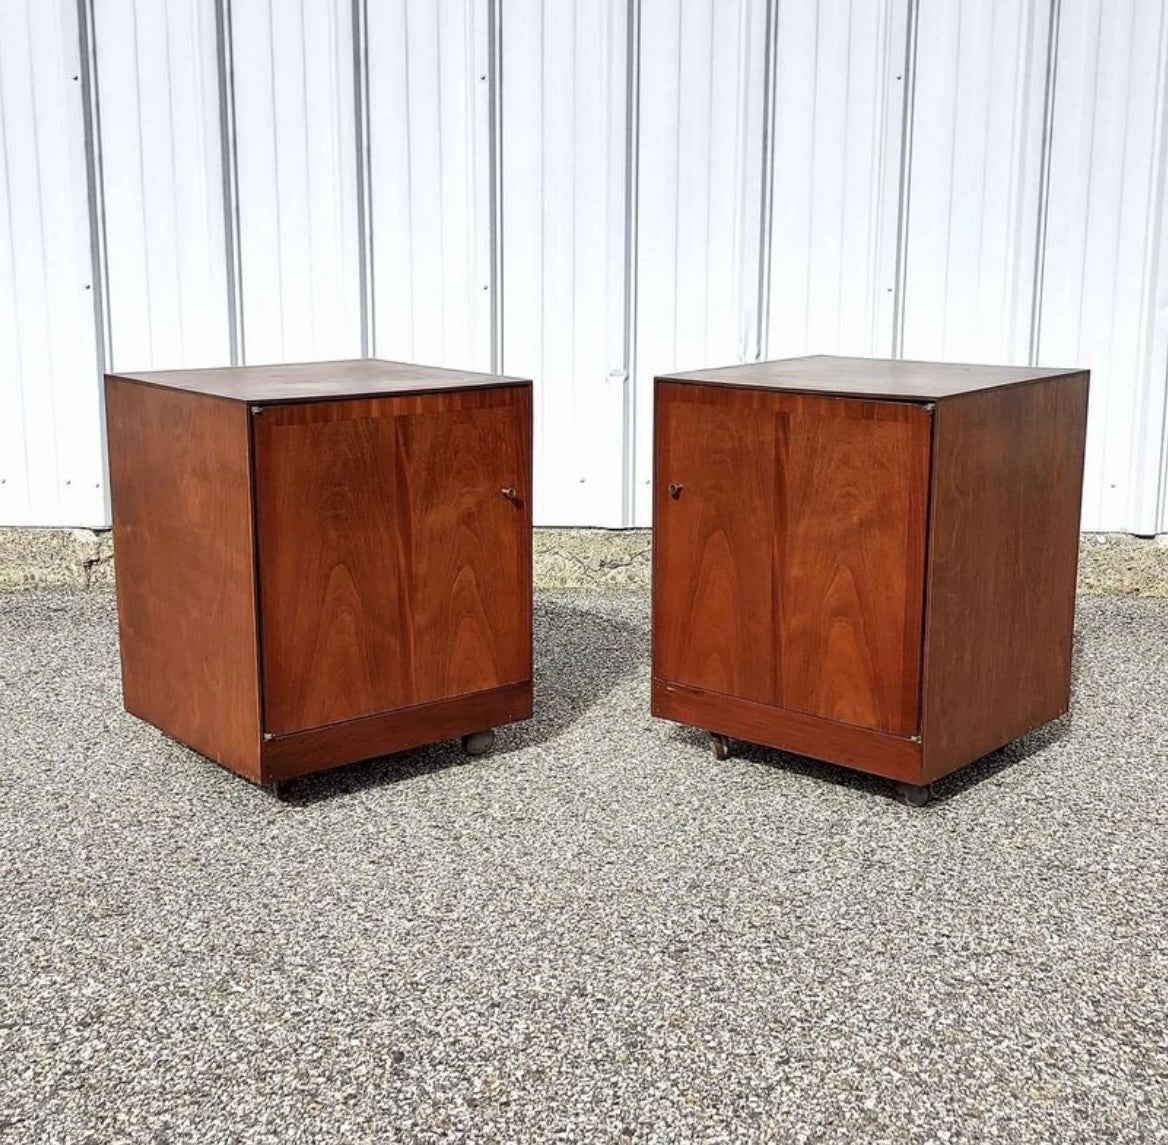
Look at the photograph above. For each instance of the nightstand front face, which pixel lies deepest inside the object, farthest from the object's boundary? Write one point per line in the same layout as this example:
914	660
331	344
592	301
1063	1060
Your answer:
789	550
394	570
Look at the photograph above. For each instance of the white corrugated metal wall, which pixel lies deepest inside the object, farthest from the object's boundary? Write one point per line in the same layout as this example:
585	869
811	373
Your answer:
586	193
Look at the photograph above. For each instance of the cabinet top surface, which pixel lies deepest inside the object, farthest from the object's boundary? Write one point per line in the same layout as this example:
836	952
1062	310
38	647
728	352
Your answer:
308	381
869	377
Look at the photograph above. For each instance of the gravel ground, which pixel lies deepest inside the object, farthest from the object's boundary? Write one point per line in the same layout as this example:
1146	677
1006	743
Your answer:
595	933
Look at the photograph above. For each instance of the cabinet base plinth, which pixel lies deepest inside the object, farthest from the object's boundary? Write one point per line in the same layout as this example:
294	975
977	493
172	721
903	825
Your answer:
858	748
318	749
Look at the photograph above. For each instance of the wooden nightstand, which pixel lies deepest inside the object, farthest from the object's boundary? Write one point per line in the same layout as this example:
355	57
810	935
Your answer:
868	562
323	562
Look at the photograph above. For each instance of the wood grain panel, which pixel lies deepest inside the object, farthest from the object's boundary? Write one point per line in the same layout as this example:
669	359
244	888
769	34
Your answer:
393	571
812	736
1007	489
712	552
181	491
851	495
327	518
464	546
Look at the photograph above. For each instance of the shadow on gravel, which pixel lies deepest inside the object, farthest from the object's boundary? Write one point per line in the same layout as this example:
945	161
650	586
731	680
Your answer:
949	787
1017	751
580	656
1014	754
1080	642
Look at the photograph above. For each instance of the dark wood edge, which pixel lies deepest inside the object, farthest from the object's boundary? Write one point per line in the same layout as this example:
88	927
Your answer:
496	383
528	539
321	362
129	381
256	600
860	395
813	736
926	576
1086	375
287	756
929	766
654	563
1046	379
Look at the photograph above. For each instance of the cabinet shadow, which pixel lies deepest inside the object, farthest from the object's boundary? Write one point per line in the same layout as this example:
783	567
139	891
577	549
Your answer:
1013	754
951	786
580	654
1020	750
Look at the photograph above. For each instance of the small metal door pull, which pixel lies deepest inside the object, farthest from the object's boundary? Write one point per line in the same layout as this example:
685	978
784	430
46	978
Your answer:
675	490
510	493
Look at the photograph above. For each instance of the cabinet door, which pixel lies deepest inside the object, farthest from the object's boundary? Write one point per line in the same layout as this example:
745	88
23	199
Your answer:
464	535
851	495
392	570
712	525
789	557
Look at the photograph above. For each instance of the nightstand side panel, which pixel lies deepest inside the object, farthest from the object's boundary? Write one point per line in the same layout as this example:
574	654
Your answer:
1003	555
180	485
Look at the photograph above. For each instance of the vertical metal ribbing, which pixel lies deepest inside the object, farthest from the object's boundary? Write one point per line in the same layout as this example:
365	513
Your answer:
632	163
364	176
1160	149
1044	180
225	58
767	195
495	175
905	195
1148	501
95	194
95	182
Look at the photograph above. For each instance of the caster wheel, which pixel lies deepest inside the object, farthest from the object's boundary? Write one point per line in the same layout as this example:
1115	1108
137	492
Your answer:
914	794
282	790
720	745
478	743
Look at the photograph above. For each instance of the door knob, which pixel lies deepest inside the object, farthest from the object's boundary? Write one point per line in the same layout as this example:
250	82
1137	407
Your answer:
675	489
510	493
